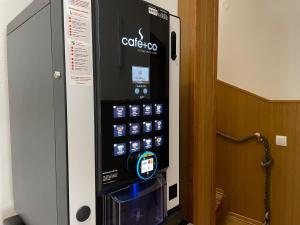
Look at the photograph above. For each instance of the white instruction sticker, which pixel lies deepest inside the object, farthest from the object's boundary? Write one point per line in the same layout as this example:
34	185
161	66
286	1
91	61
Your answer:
147	165
79	67
78	26
84	4
78	33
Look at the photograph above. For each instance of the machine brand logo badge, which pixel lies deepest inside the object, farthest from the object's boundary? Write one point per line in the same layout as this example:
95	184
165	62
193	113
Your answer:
159	13
153	11
139	43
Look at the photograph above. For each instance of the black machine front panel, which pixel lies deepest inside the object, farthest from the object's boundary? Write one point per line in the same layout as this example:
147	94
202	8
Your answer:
132	91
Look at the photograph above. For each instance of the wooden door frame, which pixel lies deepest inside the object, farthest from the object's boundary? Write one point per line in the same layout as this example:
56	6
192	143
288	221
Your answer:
199	45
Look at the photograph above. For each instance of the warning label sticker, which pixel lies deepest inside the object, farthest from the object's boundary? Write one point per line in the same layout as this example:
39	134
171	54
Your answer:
80	66
78	26
80	3
79	56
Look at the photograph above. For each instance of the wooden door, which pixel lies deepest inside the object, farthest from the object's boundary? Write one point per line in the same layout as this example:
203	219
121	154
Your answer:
199	24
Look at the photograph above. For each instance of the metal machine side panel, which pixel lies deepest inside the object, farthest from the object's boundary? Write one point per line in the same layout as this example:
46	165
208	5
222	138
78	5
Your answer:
59	94
80	108
173	170
32	120
32	9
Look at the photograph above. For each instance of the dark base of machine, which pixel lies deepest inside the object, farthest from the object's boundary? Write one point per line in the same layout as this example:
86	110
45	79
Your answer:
174	218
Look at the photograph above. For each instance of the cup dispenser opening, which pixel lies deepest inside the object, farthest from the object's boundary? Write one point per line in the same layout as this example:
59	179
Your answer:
139	203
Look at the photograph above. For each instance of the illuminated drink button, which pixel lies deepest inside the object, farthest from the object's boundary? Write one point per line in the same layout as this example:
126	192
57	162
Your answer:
147	143
134	146
119	111
158	109
137	91
145	91
147	127
158	125
134	110
147	110
134	128
119	149
158	141
119	130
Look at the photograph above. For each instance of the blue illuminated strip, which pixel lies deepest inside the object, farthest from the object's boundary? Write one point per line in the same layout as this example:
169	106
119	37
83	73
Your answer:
135	190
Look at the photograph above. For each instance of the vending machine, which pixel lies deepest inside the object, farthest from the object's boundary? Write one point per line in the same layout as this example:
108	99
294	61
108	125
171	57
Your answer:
94	109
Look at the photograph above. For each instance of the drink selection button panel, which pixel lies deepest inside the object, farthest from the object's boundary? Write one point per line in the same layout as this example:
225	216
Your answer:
119	149
147	143
158	125
134	110
147	110
119	130
134	146
134	128
158	141
119	111
147	127
159	109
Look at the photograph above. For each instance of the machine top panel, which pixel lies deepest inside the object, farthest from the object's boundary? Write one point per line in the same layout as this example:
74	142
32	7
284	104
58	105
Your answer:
134	50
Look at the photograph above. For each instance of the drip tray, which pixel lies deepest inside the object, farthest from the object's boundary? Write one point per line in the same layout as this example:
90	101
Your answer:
142	203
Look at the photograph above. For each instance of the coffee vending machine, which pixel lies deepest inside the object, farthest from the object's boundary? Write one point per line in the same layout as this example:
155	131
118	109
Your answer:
94	109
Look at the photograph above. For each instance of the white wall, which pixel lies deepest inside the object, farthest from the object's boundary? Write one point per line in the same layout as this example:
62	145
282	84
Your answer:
8	10
259	46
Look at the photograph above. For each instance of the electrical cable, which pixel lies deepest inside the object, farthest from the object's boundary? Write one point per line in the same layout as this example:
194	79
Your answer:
266	164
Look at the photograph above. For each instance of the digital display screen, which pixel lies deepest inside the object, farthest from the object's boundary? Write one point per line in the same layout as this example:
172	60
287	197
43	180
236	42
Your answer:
140	75
147	165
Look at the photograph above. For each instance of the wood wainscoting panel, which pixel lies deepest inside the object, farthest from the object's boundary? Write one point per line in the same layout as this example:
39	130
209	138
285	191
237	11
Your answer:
236	219
239	172
199	20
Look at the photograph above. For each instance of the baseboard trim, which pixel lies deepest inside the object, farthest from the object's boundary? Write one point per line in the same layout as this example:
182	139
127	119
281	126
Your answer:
242	219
